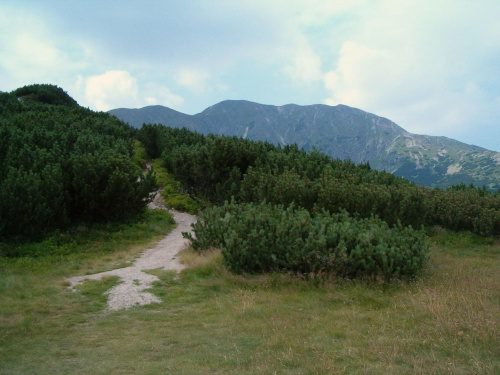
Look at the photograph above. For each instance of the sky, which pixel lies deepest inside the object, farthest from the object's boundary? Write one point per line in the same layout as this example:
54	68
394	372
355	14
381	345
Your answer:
431	66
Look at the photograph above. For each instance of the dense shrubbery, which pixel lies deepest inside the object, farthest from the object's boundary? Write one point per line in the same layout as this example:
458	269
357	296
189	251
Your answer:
209	167
218	168
46	94
470	208
392	203
292	210
263	237
63	164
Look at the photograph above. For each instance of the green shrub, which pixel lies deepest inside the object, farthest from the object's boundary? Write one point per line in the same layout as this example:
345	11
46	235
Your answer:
393	204
46	94
261	237
284	188
140	157
173	193
61	164
217	168
465	209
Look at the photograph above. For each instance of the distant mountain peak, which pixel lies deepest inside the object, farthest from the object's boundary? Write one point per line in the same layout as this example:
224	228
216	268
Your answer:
342	132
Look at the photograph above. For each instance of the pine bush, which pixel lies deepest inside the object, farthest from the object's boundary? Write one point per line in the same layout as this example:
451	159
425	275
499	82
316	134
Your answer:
257	238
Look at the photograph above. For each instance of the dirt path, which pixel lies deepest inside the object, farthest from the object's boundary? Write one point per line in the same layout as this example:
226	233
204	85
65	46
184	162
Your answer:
135	282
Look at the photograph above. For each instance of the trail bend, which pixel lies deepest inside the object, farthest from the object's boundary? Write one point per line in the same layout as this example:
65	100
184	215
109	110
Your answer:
132	291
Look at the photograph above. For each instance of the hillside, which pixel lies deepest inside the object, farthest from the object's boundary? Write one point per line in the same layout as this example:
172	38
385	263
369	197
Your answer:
63	165
342	132
299	263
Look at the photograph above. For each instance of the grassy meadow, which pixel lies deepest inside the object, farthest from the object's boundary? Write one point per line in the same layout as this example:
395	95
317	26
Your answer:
214	322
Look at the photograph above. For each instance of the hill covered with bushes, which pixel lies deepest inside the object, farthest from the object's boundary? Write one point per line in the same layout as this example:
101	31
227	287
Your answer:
62	164
217	168
270	207
306	212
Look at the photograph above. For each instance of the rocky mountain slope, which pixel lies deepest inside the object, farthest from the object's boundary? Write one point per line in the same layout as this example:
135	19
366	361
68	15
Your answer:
342	132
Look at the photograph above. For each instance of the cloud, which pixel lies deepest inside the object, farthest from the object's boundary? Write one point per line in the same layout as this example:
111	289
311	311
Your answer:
195	80
430	67
305	67
118	88
156	94
115	88
419	66
31	53
360	73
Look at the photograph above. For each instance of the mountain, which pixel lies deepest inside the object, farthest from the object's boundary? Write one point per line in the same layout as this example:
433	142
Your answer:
341	132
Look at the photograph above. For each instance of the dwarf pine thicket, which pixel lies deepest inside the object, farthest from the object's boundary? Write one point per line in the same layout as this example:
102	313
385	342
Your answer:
263	237
62	164
217	168
379	211
292	212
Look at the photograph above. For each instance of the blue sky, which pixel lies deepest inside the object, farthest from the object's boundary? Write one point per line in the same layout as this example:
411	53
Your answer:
433	67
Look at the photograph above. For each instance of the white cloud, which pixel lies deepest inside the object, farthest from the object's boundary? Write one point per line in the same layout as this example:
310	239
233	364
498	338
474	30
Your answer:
195	80
419	65
360	73
306	67
118	89
115	88
156	94
30	53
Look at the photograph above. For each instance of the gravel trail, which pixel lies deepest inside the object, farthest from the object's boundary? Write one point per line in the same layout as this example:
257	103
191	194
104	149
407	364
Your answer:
132	291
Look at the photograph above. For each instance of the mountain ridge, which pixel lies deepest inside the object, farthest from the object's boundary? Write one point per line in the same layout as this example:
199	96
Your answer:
342	132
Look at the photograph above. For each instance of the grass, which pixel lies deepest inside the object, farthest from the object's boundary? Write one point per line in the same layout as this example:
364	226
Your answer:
140	156
213	322
172	193
90	247
35	302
